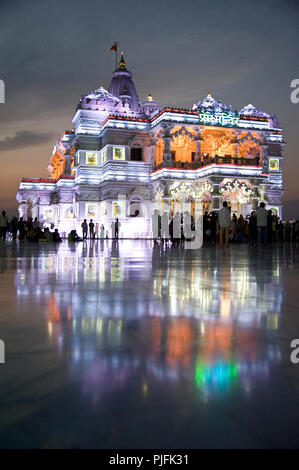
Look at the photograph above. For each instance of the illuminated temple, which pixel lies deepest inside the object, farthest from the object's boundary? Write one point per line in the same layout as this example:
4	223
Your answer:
125	157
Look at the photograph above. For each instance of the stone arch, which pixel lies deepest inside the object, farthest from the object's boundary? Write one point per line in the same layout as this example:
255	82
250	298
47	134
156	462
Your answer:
182	145
249	146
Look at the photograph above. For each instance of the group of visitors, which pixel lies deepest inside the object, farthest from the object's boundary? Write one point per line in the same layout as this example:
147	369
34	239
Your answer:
261	227
93	230
26	230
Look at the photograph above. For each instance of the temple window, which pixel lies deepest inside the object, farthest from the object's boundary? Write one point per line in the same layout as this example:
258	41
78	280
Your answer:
136	154
135	209
119	153
273	164
91	158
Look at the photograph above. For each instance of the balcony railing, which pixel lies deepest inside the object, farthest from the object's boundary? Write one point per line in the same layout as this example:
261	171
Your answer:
228	159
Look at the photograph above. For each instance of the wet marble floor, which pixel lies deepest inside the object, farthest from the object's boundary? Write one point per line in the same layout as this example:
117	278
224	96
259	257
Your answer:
133	346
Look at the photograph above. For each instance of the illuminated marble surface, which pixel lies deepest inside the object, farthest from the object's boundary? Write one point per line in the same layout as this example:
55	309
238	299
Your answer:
130	346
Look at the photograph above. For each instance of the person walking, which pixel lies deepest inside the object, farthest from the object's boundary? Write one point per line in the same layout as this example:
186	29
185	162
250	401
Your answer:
3	225
84	229
224	223
262	222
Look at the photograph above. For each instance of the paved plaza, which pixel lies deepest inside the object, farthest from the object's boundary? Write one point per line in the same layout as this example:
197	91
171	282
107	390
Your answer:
130	345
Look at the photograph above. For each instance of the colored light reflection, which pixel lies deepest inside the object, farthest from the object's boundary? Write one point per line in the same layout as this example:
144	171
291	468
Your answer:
219	374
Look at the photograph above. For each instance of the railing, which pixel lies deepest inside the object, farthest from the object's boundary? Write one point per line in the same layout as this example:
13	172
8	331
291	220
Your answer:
228	159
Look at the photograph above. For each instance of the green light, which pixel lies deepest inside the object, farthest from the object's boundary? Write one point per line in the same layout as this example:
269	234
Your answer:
218	374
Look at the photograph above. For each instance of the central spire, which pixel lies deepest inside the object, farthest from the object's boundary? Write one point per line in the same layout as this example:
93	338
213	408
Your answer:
122	85
122	62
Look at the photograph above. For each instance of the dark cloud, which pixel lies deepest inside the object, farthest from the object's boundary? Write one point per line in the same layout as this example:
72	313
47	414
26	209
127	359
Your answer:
24	139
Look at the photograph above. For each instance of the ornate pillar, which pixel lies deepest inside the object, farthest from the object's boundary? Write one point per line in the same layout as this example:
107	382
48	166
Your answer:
67	166
22	209
166	139
265	157
197	141
216	197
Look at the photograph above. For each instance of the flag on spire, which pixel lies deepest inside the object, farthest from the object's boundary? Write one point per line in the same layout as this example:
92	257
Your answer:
114	46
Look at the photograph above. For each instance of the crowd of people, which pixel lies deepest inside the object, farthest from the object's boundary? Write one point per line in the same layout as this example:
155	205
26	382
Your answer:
261	227
26	230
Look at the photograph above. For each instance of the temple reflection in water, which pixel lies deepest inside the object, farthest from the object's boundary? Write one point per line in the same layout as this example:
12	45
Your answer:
202	328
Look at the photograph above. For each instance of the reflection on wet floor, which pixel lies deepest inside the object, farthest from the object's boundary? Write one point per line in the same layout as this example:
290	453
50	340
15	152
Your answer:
162	347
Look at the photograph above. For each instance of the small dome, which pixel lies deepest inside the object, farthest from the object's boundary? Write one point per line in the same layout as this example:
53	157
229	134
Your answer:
150	107
210	104
251	110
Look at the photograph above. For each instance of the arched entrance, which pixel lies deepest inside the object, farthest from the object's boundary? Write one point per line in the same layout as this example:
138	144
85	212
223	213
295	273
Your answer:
238	194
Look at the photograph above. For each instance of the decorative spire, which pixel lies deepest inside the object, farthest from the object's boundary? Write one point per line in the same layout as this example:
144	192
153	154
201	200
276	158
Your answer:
122	62
149	97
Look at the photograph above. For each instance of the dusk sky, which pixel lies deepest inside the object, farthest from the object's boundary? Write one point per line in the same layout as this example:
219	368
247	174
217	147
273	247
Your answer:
52	52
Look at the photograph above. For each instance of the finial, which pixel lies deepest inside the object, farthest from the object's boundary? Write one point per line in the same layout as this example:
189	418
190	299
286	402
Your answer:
149	97
122	62
209	95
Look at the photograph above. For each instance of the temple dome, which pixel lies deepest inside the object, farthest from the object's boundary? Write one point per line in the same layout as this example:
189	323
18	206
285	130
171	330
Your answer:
150	107
210	104
122	79
251	110
99	99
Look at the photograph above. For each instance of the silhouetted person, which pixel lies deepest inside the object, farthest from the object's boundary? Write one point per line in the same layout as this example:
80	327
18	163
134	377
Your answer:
84	228
91	229
21	228
3	225
224	223
14	227
262	222
56	236
116	228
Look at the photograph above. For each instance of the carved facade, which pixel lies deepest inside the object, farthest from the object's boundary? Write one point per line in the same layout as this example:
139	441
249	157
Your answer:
124	155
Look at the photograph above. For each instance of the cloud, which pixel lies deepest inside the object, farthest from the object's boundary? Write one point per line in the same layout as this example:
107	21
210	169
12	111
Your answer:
24	139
